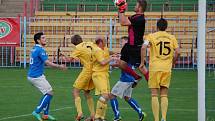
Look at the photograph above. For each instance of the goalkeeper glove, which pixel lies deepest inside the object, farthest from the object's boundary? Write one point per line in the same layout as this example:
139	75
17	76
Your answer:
122	5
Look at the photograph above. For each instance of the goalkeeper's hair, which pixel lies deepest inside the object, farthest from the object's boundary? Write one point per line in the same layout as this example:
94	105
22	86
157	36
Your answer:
124	37
76	39
37	36
143	4
162	24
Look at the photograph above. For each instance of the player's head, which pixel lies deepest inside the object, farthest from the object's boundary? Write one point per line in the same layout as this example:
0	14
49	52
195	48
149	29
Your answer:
124	40
100	41
140	6
162	24
39	38
76	39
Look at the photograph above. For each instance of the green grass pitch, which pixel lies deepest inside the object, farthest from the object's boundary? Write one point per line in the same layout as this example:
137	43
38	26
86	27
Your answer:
18	98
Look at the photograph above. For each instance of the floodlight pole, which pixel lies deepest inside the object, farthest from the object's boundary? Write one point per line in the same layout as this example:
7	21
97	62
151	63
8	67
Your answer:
201	59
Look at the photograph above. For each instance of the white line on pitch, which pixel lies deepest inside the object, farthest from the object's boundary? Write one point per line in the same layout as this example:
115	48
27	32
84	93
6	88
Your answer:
25	115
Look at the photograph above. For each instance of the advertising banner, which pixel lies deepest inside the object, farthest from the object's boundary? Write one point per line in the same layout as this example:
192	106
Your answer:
9	31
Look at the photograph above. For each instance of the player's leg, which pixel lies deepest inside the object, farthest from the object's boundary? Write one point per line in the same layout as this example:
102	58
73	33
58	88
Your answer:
124	66
81	83
46	115
117	91
126	57
120	89
90	104
102	86
164	102
137	60
43	104
43	86
165	81
133	103
115	107
154	85
101	106
155	103
77	100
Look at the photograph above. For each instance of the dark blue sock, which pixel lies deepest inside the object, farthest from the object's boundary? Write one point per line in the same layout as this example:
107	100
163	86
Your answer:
115	107
43	103
46	110
134	105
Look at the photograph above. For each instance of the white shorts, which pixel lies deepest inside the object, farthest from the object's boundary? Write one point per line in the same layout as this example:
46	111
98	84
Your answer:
41	84
122	89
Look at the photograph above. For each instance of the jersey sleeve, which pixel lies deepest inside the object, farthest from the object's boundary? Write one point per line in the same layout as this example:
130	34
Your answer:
175	43
75	53
99	55
43	55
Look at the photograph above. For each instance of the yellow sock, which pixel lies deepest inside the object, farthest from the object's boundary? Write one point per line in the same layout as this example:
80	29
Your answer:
78	105
155	107
91	105
104	111
101	106
164	106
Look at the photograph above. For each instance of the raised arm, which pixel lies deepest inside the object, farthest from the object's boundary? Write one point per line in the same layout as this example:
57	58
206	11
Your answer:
124	21
122	6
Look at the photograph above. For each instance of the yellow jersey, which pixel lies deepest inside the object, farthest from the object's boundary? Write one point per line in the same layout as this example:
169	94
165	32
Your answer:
162	46
83	51
98	56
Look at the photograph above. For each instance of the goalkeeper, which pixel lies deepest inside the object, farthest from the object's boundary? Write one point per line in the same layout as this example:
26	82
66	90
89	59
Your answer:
131	51
123	89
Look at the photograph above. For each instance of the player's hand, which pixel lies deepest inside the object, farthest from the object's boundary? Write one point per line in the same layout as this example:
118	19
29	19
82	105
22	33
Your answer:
119	2
116	62
142	65
144	71
62	67
123	8
122	5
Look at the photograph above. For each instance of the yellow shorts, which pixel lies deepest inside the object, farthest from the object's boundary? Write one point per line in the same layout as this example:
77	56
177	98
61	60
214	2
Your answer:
84	80
158	79
101	82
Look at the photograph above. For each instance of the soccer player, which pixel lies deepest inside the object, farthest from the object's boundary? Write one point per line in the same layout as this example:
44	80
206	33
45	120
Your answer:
123	89
83	51
131	51
38	59
164	52
100	77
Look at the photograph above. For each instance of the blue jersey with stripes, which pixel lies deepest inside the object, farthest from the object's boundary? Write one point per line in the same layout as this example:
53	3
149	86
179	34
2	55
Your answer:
37	61
125	77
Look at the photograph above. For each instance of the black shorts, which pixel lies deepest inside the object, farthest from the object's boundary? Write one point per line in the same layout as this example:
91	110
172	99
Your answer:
131	54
